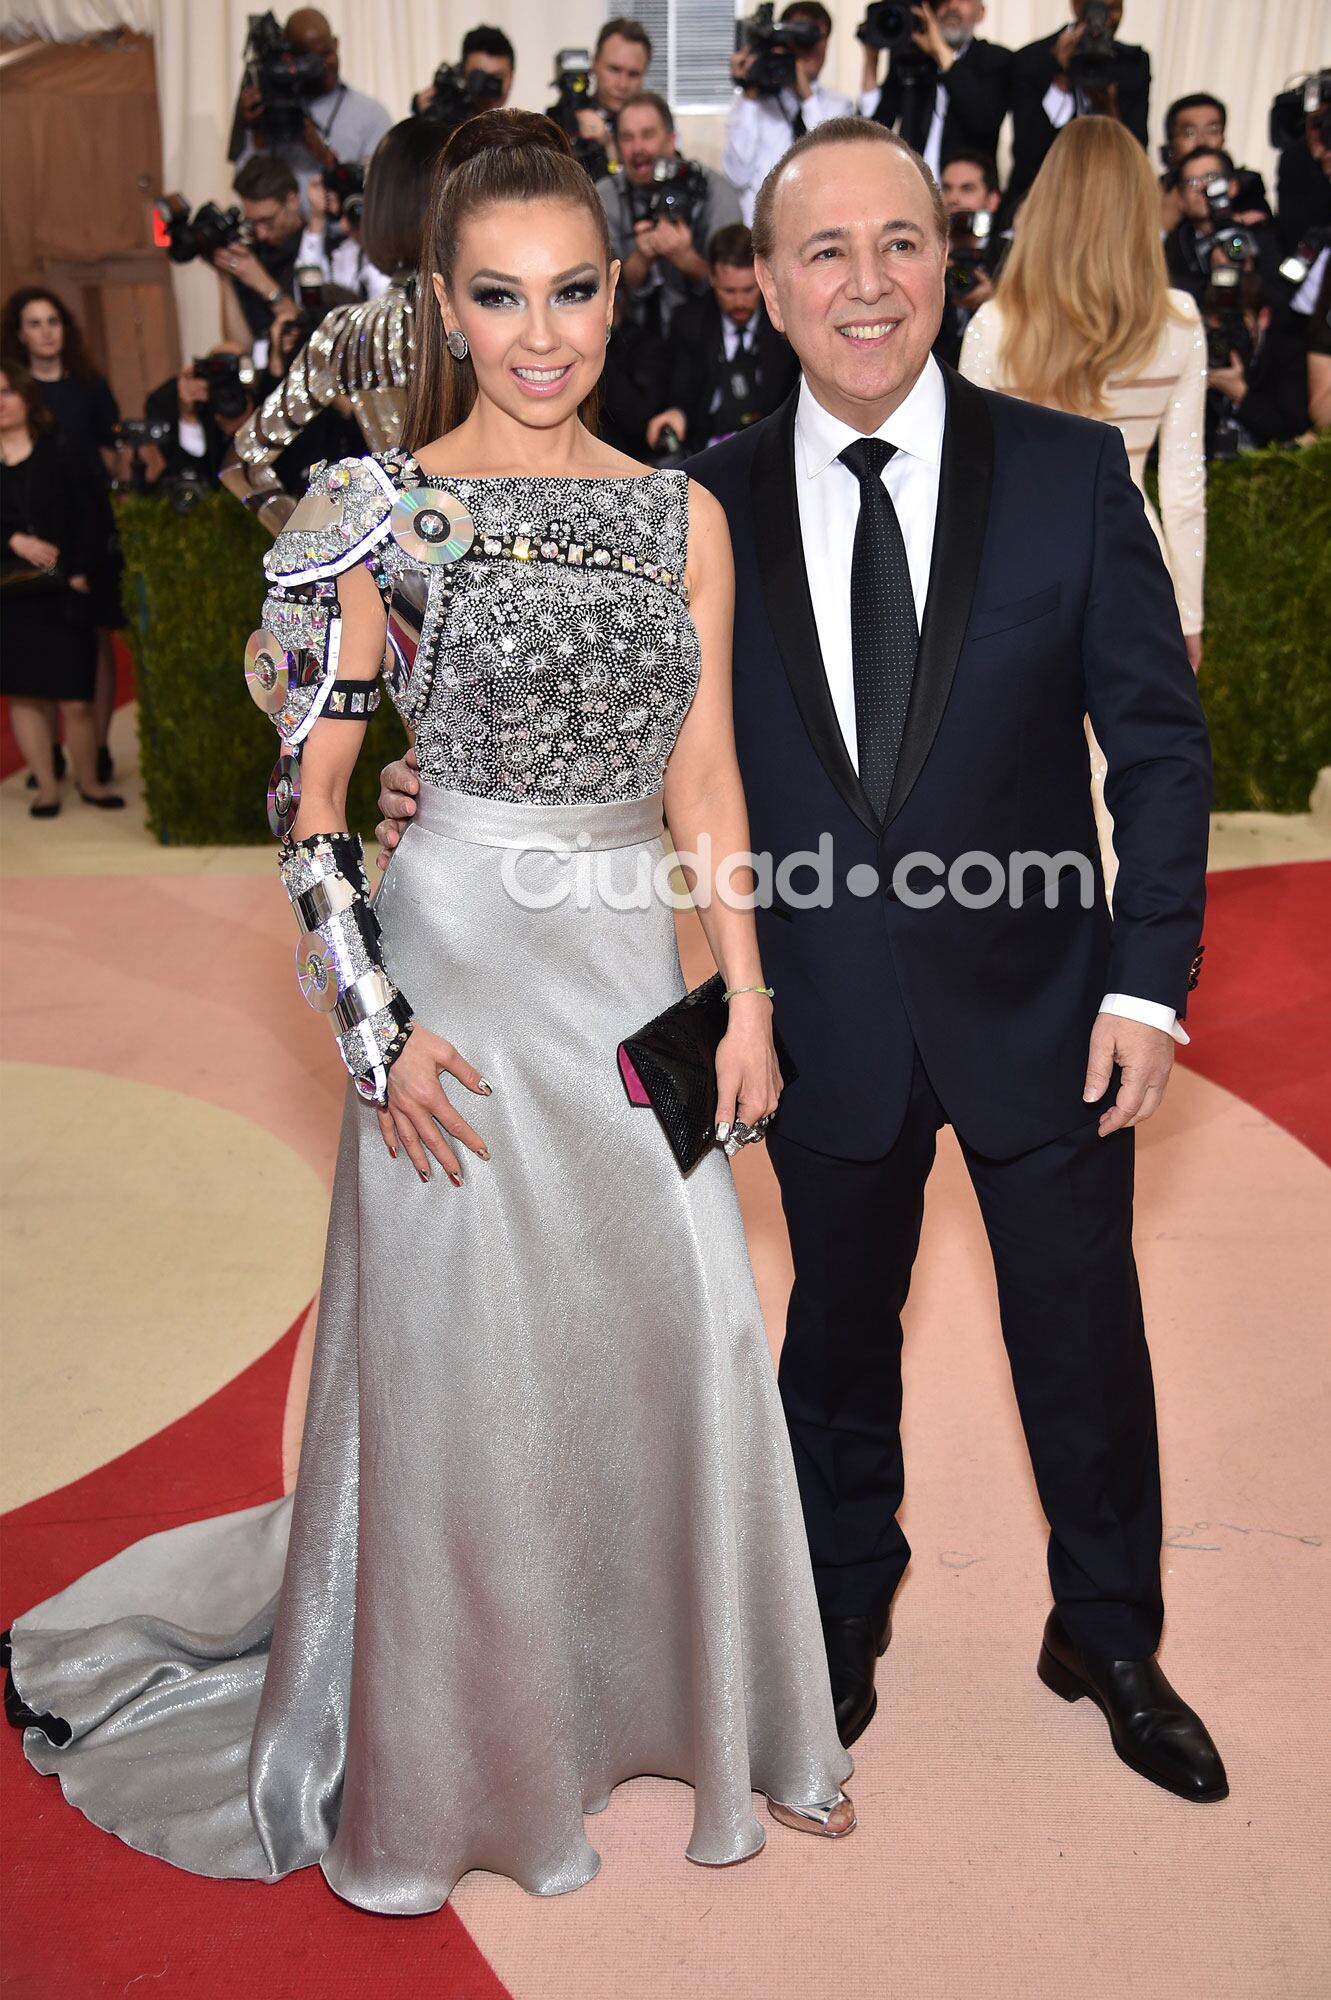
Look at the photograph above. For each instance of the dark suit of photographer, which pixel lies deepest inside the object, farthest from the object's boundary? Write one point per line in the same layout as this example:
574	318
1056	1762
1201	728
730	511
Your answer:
1046	93
969	80
200	434
728	364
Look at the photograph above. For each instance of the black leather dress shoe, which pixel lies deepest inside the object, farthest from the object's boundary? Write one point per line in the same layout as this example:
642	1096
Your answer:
1152	1728
854	1646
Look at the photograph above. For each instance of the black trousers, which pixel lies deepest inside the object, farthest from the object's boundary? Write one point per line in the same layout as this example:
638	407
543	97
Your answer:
1059	1223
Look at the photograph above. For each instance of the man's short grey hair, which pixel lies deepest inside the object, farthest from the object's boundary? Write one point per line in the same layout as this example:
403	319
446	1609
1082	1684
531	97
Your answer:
836	132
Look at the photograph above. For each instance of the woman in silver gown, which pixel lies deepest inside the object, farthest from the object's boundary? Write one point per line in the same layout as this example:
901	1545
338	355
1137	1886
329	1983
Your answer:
545	1535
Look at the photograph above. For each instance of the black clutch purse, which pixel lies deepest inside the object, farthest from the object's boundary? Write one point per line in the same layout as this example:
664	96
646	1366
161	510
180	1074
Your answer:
671	1065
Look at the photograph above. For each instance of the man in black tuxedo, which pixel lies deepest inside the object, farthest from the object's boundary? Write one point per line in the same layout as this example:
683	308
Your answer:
934	585
1082	68
948	92
728	364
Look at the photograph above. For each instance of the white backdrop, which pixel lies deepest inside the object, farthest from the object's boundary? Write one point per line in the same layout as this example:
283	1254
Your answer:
1241	51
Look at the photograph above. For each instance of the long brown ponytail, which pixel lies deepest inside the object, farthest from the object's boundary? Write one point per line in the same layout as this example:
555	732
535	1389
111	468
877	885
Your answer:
496	156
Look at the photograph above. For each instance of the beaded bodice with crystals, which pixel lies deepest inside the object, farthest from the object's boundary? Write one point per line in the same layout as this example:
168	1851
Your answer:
556	658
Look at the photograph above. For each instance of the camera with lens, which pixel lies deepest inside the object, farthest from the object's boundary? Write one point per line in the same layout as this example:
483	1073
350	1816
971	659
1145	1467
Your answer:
1229	298
182	490
1306	107
775	45
459	94
228	379
1296	267
134	432
287	79
1237	242
676	192
1092	61
968	235
202	234
345	181
575	91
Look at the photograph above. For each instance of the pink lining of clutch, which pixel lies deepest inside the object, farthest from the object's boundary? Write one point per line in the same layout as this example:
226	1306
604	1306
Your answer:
633	1083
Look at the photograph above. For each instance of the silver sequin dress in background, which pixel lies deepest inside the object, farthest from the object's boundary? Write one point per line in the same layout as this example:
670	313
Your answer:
545	1535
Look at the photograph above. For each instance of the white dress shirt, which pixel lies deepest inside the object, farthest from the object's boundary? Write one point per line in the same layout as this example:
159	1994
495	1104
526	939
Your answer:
828	497
760	129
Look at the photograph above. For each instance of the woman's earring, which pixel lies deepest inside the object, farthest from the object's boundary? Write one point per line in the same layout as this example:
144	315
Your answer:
457	344
609	330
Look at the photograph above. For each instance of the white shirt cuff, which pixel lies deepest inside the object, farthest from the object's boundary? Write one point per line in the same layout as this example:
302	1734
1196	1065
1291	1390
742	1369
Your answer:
1152	1013
869	101
1059	105
192	439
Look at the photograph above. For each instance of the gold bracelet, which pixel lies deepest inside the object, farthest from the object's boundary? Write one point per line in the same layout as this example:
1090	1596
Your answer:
732	990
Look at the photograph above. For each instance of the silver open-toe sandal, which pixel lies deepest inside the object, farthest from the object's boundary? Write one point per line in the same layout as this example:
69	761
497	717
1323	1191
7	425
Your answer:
815	1819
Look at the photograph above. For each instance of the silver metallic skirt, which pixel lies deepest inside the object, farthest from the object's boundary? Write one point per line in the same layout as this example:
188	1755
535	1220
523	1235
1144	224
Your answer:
545	1535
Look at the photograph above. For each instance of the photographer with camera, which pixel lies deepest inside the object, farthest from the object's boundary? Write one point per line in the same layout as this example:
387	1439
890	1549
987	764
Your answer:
201	409
975	248
1079	71
256	248
481	81
946	91
662	211
729	365
593	91
779	95
293	103
1192	123
1257	376
1215	229
1300	131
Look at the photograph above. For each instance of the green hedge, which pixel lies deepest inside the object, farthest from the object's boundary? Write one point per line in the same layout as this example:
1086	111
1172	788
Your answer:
195	589
1266	650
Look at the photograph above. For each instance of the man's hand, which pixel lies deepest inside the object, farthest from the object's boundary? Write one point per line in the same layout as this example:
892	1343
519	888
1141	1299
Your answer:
928	39
241	264
644	239
980	293
674	241
317	144
191	391
251	103
1064	50
399	782
591	125
319	205
667	419
1144	1055
1229	381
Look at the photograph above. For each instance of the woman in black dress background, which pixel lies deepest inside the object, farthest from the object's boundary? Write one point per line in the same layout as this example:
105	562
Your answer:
50	519
38	332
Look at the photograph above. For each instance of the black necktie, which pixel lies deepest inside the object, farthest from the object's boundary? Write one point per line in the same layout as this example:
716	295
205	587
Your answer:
797	124
884	635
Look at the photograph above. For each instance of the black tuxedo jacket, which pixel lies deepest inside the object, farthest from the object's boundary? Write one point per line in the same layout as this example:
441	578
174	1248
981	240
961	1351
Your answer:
1033	135
1048	597
695	343
978	96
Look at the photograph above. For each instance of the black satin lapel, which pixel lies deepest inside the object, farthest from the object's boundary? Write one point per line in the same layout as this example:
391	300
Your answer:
785	581
965	481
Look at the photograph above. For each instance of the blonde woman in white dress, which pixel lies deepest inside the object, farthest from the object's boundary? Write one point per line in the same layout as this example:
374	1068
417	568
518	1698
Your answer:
1084	319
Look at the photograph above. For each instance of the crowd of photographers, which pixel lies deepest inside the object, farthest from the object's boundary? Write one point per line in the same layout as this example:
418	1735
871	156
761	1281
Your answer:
693	356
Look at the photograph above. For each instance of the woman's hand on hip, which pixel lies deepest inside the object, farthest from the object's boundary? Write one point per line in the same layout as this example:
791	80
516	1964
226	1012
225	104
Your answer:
418	1113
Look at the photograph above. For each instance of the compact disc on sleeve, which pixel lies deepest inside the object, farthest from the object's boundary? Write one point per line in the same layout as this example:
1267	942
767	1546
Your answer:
284	796
267	670
316	969
432	527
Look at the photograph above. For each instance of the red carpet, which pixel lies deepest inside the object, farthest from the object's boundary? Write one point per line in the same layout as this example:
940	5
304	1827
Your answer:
1260	1012
85	1916
11	761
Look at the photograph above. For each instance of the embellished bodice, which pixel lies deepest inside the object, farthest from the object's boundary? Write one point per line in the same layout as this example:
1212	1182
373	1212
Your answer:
539	637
